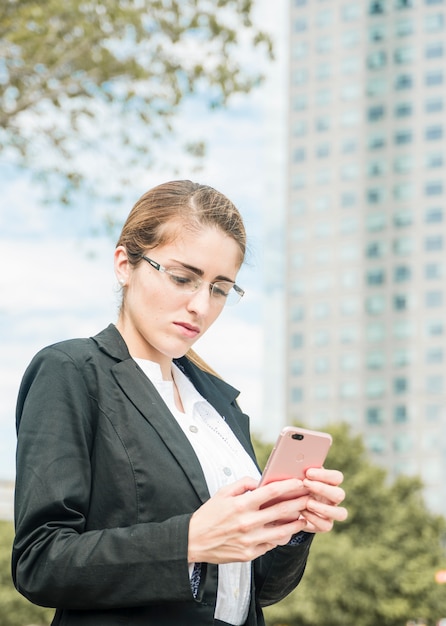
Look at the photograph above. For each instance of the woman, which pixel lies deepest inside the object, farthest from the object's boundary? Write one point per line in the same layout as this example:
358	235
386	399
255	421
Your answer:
136	498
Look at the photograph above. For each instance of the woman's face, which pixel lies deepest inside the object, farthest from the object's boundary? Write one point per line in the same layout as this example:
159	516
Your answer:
159	321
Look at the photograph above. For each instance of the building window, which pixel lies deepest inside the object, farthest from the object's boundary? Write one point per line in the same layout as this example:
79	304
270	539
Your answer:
434	160
434	328
300	50
375	360
321	365
376	168
376	222
376	59
375	195
434	271
434	50
434	299
297	395
299	155
297	367
375	332
434	23
433	79
435	355
350	38
403	191
433	132
376	444
402	273
374	415
376	112
400	415
349	362
434	105
403	218
434	412
400	302
322	150
349	335
322	124
351	12
300	102
401	358
433	243
403	246
403	136
403	329
348	199
377	141
404	28
403	164
375	305
403	443
434	384
376	86
375	277
377	33
375	388
404	55
300	25
434	188
403	109
297	341
403	81
404	4
434	215
375	249
400	385
377	7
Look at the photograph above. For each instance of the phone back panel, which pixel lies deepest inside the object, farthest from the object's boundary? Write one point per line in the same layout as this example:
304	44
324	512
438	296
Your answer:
296	450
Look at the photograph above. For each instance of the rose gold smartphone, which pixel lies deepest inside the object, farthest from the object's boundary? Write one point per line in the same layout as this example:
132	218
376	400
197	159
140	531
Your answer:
296	450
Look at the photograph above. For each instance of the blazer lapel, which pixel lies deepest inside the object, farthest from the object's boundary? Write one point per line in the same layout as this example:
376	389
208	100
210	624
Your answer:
143	395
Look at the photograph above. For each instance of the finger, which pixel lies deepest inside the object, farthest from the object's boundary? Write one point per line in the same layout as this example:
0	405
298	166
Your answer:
324	510
324	492
328	476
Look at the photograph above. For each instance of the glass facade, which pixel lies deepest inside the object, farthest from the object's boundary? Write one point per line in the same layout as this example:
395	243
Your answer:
366	206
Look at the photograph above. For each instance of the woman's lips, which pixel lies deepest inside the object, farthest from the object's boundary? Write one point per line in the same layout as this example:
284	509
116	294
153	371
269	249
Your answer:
189	330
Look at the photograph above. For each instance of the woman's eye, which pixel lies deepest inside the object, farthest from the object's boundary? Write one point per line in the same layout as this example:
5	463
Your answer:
181	280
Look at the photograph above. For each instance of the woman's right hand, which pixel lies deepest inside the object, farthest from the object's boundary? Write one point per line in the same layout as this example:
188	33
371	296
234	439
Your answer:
232	525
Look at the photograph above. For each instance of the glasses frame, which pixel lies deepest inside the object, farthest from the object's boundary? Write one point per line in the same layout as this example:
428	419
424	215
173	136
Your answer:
199	282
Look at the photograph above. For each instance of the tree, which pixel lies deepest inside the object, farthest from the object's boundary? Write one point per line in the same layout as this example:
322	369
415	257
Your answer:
378	567
15	610
112	74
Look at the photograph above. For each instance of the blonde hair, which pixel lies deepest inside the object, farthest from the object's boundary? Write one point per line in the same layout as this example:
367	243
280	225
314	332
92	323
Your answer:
164	211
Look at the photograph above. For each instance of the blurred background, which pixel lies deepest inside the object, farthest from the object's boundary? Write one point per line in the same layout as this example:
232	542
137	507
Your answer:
325	122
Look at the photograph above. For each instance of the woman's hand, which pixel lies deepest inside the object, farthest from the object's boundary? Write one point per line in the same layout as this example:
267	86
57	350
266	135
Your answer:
325	495
233	526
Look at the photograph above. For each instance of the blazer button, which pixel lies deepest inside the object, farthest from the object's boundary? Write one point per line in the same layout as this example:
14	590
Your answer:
193	429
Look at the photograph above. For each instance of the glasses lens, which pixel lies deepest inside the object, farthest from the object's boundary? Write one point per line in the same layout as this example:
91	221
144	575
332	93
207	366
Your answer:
226	292
184	280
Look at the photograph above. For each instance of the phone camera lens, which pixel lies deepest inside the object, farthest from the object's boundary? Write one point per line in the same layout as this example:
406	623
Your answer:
297	436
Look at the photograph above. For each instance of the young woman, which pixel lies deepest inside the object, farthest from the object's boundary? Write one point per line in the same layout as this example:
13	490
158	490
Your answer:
136	495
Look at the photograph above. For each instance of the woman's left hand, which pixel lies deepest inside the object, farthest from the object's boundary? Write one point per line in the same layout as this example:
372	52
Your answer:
322	508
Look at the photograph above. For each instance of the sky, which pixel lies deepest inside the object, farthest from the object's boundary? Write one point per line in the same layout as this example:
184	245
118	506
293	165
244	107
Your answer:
58	279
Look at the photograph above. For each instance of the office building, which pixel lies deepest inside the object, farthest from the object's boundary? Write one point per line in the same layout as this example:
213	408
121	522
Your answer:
366	234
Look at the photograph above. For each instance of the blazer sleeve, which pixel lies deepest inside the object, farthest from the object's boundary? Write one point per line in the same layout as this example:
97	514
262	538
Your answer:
279	571
56	561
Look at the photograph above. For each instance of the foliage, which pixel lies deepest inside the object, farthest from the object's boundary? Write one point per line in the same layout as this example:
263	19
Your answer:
73	73
378	567
15	610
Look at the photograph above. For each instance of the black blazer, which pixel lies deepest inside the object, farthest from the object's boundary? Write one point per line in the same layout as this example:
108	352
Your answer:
106	485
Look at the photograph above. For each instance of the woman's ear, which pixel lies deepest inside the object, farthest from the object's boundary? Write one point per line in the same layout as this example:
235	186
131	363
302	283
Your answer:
122	266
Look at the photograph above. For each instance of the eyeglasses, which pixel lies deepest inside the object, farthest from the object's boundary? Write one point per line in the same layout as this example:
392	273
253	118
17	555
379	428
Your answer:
223	292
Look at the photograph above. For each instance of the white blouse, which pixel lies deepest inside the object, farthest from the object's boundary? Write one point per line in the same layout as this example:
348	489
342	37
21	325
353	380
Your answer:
223	460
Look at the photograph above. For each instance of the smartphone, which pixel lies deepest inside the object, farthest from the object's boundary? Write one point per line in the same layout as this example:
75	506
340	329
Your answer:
296	450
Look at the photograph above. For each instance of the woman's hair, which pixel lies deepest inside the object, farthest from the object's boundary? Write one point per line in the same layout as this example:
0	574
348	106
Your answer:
165	211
